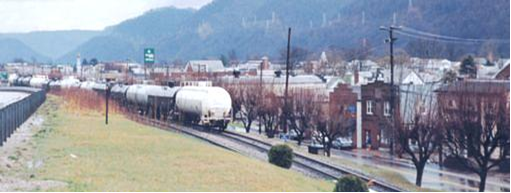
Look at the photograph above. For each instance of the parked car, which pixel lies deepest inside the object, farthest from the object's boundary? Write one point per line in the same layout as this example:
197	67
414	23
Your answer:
343	143
292	134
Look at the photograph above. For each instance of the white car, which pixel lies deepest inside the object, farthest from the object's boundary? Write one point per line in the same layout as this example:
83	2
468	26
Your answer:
343	143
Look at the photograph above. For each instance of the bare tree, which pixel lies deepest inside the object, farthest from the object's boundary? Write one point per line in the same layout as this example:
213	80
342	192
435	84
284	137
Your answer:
300	117
476	117
236	97
249	104
425	49
449	76
270	112
419	133
297	54
331	124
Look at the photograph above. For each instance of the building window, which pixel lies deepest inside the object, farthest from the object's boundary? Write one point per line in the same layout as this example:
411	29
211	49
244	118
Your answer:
386	109
452	104
369	105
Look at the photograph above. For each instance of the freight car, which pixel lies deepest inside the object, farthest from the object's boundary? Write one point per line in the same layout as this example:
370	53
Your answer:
210	106
205	106
195	105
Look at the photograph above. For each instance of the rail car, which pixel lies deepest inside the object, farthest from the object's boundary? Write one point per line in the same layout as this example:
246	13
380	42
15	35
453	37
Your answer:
205	106
195	105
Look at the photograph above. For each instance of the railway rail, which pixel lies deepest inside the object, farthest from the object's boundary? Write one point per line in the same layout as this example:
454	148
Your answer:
225	140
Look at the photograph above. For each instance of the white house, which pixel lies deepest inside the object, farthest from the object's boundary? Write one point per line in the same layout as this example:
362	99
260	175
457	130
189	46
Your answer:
205	66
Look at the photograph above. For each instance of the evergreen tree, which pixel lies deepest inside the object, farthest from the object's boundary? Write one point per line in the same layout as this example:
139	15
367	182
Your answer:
468	67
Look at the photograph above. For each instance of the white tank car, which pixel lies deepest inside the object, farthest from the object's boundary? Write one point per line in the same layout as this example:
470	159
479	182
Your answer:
87	85
210	106
12	79
100	87
39	82
70	82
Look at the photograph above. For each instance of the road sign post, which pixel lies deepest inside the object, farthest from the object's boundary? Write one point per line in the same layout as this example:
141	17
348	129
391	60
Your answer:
149	58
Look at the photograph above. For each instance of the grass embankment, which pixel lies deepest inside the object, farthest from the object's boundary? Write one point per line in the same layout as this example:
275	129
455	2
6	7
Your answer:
78	148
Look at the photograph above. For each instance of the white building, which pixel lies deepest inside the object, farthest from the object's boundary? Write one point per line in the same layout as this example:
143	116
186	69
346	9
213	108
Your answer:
206	66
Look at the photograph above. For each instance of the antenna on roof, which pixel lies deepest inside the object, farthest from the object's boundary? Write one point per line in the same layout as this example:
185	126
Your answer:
363	17
394	19
324	20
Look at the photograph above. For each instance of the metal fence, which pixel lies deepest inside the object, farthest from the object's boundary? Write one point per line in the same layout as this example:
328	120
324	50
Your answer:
15	114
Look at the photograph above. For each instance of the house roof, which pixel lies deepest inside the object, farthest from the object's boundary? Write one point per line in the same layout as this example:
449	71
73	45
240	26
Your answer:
501	71
300	79
210	65
477	86
487	72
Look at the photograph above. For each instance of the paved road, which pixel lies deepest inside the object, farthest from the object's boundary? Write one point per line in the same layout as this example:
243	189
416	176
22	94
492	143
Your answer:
7	98
434	177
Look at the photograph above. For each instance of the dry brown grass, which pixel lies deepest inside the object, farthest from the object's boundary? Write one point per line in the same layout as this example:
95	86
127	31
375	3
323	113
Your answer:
126	156
79	101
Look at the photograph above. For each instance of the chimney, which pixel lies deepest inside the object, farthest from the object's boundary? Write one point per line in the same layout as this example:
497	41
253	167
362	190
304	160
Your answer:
236	73
265	63
356	77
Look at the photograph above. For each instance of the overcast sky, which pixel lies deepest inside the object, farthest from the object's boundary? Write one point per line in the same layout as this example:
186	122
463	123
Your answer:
42	15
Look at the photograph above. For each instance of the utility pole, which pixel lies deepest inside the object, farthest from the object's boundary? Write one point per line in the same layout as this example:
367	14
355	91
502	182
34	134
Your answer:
167	75
145	71
286	108
391	40
107	97
261	93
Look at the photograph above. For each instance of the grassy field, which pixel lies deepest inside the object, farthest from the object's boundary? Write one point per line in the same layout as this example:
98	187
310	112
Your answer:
79	149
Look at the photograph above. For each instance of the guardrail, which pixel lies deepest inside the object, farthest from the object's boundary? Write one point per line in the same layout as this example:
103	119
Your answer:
15	114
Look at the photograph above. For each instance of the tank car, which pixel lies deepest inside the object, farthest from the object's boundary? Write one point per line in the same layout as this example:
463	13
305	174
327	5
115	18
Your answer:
208	106
154	101
39	82
12	79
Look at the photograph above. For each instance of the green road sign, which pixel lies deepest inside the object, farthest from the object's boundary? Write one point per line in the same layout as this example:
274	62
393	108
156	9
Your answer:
4	75
149	56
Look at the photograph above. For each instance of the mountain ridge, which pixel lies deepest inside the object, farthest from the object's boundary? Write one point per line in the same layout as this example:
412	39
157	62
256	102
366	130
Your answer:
251	29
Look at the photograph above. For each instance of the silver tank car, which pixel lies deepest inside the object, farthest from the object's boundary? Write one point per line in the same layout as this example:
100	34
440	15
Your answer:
24	81
151	100
209	106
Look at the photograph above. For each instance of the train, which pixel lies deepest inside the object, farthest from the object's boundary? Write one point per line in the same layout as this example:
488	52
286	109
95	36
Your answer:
28	81
205	106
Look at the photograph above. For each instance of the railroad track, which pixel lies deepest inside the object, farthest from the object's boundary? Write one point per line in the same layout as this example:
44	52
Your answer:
331	171
320	168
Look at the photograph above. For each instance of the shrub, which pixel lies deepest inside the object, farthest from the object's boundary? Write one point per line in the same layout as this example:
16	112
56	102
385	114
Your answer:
281	155
351	184
455	163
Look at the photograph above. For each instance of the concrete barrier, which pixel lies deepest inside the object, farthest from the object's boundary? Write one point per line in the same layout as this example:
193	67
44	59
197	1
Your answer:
15	114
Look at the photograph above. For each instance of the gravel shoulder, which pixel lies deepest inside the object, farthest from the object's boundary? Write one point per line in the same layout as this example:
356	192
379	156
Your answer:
18	162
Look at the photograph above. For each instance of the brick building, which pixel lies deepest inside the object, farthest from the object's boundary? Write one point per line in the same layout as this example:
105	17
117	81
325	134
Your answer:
477	100
376	114
344	99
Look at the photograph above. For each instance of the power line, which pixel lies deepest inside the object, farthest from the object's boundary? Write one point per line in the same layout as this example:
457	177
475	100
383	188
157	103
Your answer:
433	39
411	31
